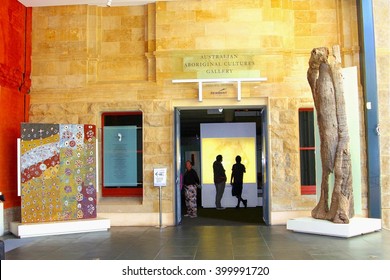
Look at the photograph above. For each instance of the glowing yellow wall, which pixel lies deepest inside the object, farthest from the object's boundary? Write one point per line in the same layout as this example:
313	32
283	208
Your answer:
229	148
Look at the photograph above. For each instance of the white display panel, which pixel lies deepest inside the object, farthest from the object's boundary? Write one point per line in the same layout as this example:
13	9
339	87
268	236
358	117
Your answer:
228	140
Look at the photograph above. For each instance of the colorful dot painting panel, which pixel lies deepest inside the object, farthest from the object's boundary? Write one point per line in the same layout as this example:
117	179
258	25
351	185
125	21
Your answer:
58	172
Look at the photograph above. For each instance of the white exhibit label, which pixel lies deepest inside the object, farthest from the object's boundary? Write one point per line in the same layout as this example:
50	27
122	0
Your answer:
160	177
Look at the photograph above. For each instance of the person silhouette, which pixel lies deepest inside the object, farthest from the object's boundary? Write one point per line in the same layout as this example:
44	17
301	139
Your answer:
219	181
236	181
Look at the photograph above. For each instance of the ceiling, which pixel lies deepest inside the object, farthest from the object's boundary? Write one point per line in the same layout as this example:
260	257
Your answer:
43	3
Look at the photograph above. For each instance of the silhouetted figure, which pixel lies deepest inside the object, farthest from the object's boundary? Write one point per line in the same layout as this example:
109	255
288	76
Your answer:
219	181
236	181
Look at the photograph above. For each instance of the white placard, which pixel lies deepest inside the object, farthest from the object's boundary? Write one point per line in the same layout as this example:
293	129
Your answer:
18	176
97	165
160	177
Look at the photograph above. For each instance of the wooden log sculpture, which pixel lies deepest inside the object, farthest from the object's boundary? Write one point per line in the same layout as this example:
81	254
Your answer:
326	84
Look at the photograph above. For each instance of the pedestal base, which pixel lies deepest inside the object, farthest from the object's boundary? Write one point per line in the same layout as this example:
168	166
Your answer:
356	226
60	227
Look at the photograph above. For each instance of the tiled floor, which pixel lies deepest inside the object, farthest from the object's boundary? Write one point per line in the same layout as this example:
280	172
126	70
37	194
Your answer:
194	241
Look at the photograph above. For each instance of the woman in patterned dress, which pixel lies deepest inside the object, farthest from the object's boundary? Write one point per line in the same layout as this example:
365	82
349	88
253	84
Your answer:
190	182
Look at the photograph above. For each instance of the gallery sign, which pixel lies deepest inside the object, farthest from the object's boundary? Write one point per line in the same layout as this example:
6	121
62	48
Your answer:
224	65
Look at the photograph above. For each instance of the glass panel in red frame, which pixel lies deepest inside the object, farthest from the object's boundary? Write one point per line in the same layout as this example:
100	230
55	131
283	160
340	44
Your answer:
123	118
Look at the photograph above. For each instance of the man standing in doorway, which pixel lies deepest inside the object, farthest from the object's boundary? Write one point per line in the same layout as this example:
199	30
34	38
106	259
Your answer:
219	181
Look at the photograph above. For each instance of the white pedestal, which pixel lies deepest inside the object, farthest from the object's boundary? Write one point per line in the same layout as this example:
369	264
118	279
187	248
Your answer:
60	227
1	218
356	226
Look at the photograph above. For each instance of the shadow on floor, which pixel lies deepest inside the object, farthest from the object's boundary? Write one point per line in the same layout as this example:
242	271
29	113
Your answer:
227	217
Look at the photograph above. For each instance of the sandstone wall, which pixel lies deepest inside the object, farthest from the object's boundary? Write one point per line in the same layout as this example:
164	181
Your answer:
87	60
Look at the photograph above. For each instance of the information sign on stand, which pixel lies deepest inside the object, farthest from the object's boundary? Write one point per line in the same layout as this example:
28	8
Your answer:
160	177
160	180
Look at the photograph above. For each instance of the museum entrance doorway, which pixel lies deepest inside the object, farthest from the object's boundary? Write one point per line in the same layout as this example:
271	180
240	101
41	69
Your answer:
189	136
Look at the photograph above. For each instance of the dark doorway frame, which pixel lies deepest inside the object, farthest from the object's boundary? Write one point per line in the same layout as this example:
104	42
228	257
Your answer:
198	113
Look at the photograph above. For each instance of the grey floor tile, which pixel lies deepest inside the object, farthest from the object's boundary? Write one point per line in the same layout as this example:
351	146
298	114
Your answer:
332	256
189	241
288	255
256	257
137	255
213	255
199	242
175	252
251	251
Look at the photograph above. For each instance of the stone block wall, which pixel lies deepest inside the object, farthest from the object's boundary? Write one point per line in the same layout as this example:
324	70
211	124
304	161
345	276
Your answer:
88	60
285	157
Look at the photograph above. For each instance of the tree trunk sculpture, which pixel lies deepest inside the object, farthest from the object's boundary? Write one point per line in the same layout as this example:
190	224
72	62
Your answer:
326	84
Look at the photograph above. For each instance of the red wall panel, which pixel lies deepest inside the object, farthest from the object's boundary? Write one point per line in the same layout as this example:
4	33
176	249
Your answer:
15	69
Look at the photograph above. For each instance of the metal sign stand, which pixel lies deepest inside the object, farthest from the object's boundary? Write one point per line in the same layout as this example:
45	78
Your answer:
160	180
160	208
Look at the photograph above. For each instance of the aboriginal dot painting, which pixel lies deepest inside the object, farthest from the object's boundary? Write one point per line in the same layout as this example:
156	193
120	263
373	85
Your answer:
58	172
